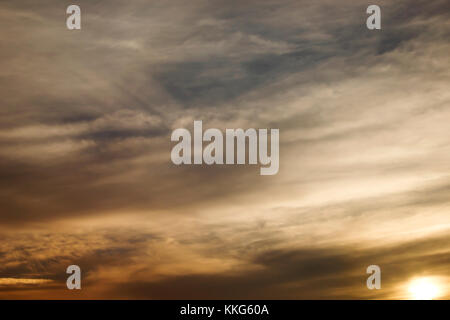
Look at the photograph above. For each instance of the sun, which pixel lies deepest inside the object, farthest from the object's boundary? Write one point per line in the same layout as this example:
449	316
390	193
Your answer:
423	289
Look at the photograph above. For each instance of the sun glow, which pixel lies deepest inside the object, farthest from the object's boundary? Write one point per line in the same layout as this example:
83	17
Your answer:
423	289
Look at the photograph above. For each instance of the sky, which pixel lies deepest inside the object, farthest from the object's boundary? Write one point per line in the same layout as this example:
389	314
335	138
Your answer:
86	178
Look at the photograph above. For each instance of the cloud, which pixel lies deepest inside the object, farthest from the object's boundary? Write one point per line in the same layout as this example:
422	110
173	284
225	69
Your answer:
85	129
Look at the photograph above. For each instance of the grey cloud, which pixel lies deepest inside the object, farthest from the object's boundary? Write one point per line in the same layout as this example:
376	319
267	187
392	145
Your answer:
329	273
86	118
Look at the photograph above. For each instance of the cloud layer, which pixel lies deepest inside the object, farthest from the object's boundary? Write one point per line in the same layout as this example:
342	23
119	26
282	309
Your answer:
85	167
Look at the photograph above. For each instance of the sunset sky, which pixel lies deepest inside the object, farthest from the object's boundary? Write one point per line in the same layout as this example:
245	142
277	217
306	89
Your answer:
86	176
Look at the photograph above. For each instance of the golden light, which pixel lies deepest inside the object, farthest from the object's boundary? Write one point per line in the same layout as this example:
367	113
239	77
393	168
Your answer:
424	289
